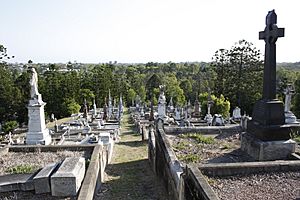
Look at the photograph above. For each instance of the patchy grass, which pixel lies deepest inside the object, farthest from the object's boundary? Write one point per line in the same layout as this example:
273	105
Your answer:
181	145
297	139
189	158
22	169
199	138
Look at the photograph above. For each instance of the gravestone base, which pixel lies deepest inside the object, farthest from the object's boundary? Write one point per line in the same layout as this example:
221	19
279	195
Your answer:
271	132
290	118
43	138
267	150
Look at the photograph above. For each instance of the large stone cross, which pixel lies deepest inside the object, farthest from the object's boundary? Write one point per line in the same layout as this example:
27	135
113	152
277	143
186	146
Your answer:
270	35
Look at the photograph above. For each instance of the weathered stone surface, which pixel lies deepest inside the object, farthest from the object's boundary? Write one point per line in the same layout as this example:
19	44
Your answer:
42	179
67	180
16	182
267	150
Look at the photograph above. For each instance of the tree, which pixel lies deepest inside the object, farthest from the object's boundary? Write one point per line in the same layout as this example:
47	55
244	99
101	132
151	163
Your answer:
131	96
70	107
239	74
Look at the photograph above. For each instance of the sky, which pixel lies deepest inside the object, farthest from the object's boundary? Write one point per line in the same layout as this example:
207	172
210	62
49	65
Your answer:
140	31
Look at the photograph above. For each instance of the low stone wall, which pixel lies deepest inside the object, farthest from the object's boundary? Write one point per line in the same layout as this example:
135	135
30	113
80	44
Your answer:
166	165
195	185
94	173
245	168
203	129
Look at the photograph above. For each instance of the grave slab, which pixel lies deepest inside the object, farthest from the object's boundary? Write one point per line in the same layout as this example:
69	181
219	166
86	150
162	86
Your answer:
67	180
16	182
42	179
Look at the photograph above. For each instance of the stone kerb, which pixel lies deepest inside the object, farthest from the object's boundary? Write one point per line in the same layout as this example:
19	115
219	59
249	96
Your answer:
196	186
90	182
204	130
66	181
93	176
246	168
167	165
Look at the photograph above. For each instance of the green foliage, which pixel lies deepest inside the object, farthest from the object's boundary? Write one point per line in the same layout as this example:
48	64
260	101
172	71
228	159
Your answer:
70	107
239	74
22	169
131	96
189	158
9	126
220	105
199	138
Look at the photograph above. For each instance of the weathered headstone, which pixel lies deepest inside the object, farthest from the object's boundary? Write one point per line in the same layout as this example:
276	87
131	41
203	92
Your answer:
161	103
197	110
290	118
37	131
267	136
177	114
236	114
218	120
67	180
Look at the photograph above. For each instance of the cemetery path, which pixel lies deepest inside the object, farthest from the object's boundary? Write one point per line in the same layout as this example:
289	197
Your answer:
129	175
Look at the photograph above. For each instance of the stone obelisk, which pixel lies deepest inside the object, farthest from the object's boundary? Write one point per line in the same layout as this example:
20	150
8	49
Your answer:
37	131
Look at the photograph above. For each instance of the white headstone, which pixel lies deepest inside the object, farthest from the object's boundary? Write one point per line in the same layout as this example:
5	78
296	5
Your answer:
37	131
177	114
162	104
236	114
290	118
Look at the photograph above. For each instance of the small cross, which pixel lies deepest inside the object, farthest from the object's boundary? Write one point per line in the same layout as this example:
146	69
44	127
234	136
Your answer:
271	32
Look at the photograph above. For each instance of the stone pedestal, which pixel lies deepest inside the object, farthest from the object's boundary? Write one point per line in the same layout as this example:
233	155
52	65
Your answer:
290	118
267	150
37	131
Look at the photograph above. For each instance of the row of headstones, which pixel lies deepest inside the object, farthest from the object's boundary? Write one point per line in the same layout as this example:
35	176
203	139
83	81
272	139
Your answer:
58	179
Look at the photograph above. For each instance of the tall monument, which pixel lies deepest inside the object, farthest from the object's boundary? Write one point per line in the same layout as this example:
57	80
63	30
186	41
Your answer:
37	131
162	103
268	137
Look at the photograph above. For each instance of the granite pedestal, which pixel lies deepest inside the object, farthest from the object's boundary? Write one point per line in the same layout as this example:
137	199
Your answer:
267	150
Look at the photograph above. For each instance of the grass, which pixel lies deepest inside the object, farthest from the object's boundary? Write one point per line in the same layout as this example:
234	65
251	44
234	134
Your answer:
188	158
297	139
181	145
21	169
199	138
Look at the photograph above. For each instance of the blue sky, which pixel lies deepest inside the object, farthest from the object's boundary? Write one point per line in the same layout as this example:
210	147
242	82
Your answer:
131	31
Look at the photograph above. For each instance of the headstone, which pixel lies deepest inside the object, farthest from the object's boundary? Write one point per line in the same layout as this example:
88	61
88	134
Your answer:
42	179
218	120
197	110
16	182
290	118
161	103
95	109
37	131
105	110
267	137
177	114
137	103
67	180
236	114
110	111
171	106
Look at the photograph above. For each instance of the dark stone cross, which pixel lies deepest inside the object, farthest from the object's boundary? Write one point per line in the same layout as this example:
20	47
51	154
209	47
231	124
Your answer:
270	35
268	113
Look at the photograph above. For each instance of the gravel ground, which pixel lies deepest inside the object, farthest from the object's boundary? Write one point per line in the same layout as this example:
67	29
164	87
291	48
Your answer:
30	196
273	186
224	149
36	159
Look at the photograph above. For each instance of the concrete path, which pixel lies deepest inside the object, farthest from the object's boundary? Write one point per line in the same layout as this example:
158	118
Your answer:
129	175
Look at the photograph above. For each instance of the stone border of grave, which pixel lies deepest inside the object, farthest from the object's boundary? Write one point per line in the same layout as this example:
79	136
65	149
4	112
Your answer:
94	174
189	182
207	130
164	162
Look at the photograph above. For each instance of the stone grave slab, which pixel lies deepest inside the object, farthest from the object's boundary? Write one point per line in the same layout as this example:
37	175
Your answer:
42	179
16	182
67	180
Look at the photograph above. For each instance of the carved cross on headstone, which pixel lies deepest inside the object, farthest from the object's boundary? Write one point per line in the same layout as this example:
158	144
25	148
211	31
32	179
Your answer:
270	35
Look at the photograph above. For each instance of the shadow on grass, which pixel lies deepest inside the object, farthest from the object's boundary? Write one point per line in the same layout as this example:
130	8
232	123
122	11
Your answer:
133	143
131	180
236	155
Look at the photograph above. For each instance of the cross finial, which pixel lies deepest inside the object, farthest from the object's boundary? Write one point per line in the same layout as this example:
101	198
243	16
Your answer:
271	18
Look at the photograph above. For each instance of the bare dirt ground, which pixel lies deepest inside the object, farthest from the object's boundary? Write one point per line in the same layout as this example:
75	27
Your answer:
129	176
